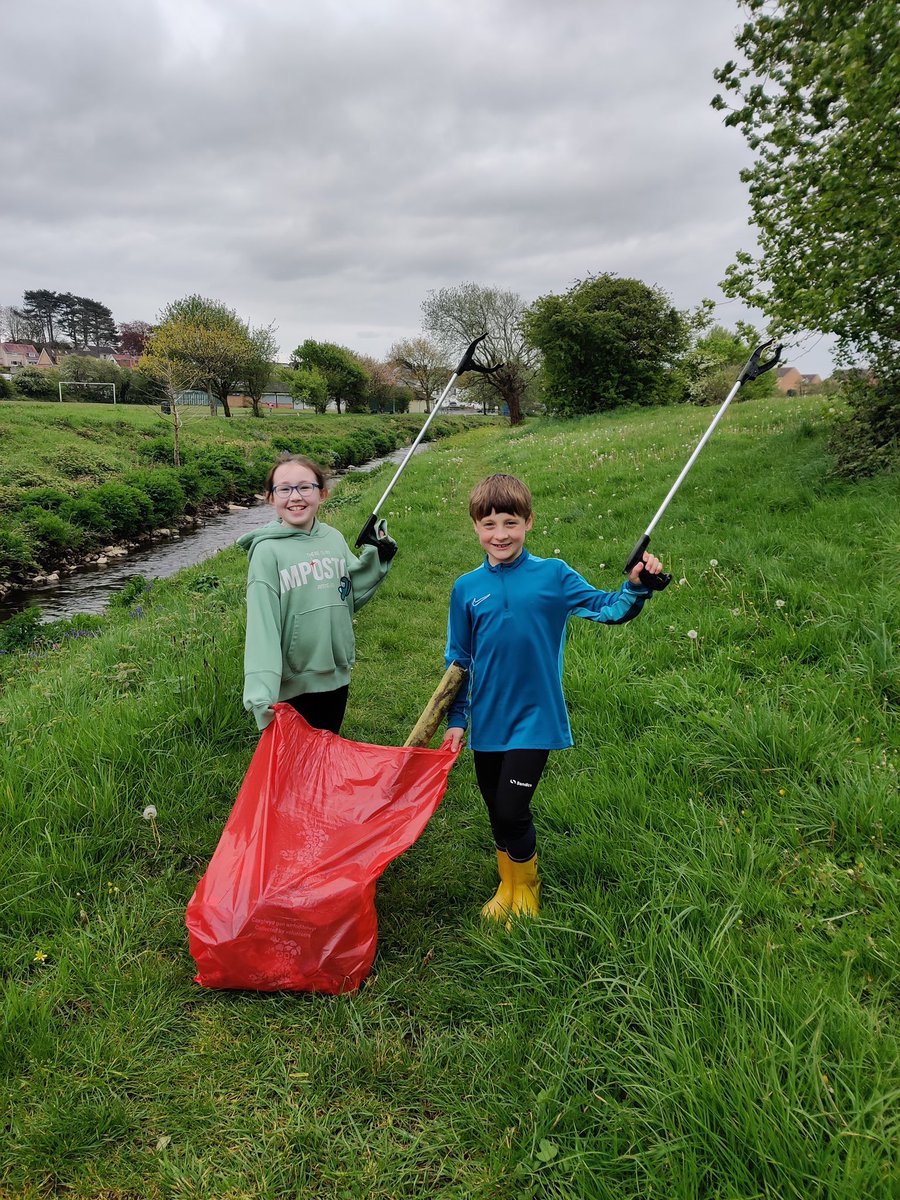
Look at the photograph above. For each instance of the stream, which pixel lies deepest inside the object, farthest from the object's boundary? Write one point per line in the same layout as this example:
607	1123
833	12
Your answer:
89	587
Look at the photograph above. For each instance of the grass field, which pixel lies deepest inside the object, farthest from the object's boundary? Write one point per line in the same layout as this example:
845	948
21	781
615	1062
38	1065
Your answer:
706	1007
76	478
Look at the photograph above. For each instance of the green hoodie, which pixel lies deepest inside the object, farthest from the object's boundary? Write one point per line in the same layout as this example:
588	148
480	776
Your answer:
302	591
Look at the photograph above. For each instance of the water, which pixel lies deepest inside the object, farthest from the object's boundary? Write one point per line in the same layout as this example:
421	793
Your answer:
89	587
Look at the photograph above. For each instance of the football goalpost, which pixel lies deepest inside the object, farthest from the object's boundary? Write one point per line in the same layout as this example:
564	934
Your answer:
84	383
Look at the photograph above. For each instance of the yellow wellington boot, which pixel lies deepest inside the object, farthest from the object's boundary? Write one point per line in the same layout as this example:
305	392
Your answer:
499	906
526	888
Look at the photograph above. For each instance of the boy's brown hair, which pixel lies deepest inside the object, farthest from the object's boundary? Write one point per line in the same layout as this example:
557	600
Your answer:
502	494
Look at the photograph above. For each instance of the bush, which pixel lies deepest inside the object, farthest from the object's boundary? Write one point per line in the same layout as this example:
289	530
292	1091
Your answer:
136	589
51	537
87	513
166	494
15	552
158	450
193	485
224	474
21	632
867	439
129	510
35	383
50	499
6	388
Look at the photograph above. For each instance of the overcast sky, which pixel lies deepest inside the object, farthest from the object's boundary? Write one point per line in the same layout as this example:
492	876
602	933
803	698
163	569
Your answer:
323	164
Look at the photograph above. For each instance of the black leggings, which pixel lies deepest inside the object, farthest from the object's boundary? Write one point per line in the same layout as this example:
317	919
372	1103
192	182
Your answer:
322	710
506	780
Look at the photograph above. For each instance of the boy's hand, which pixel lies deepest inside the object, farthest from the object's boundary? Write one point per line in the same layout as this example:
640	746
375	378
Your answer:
454	737
651	564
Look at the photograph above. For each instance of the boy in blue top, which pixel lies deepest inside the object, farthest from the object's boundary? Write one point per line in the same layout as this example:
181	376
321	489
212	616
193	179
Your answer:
507	628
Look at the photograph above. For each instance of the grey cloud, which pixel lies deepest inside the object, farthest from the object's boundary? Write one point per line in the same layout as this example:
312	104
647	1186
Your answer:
327	163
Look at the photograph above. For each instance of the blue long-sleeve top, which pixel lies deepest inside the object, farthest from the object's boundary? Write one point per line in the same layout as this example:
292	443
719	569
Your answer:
507	628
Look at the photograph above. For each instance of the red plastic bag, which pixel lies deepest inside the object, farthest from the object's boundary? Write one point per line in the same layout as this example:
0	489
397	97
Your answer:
288	899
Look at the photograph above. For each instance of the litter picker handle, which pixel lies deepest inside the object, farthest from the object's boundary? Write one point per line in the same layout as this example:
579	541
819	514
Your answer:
367	533
466	363
753	368
655	583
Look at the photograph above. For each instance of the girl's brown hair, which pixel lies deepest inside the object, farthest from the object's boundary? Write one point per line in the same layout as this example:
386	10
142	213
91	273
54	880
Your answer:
502	494
319	472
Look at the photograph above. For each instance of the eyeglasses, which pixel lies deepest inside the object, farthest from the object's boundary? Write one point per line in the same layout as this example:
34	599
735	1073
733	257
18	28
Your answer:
284	490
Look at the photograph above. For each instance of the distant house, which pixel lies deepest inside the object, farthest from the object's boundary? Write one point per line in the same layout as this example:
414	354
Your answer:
18	354
46	358
793	383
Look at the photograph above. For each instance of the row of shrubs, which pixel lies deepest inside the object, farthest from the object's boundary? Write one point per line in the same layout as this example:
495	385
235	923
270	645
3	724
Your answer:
45	527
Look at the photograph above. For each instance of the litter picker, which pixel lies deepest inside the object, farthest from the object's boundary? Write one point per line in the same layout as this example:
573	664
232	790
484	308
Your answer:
752	370
466	363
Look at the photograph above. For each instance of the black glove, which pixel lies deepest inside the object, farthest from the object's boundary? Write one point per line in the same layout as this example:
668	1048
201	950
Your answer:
377	535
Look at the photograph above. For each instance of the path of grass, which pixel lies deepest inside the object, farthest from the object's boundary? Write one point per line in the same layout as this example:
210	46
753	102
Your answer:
706	1007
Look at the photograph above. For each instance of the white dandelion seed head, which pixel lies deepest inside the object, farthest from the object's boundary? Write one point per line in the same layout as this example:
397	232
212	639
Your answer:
713	562
692	634
682	582
556	551
780	603
149	813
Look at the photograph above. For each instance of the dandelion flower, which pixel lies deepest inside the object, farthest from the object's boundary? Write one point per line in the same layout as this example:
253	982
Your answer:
149	813
682	582
781	791
40	956
713	562
692	634
780	603
556	551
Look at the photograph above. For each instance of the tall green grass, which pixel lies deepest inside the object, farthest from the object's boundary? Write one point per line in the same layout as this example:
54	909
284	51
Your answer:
707	1005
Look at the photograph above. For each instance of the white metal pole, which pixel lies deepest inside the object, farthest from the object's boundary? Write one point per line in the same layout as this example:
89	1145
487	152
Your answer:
690	462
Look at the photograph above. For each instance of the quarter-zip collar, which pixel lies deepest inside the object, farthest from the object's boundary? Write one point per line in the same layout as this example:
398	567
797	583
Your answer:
511	566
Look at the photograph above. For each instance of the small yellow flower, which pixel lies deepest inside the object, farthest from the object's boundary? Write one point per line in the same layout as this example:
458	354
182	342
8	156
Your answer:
781	791
40	956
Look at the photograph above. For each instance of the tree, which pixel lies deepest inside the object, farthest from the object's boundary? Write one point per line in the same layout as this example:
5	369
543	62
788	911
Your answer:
344	376
36	383
42	306
133	337
71	320
168	358
712	365
816	100
421	365
100	323
605	342
81	368
215	342
259	364
456	315
15	326
309	386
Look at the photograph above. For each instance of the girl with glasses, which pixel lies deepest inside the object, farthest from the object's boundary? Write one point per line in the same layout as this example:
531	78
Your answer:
303	586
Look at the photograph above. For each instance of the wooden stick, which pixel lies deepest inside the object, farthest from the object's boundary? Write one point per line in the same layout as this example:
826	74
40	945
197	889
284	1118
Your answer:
436	708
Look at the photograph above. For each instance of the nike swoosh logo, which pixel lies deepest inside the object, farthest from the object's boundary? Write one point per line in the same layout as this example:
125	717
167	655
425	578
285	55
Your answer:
475	603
